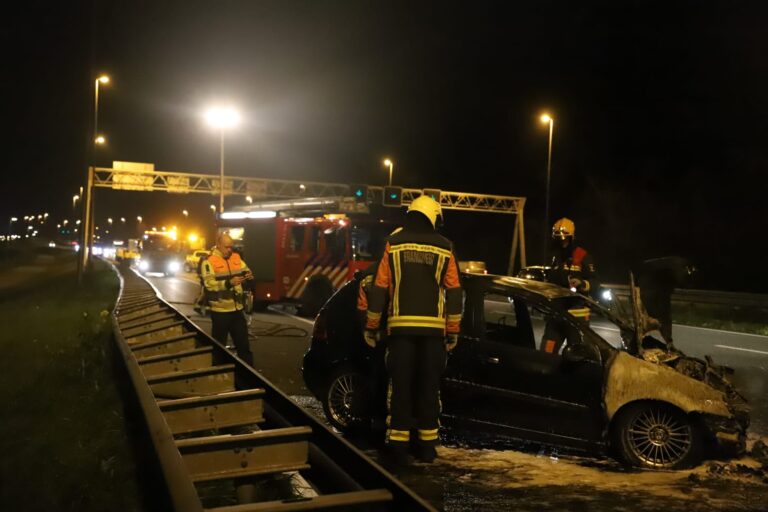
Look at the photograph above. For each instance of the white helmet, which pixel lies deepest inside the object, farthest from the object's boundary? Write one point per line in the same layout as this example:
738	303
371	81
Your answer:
428	207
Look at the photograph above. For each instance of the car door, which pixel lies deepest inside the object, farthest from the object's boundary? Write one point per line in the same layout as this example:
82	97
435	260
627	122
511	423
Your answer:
505	380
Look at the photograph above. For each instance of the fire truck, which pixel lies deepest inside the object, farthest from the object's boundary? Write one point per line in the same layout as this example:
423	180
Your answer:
303	250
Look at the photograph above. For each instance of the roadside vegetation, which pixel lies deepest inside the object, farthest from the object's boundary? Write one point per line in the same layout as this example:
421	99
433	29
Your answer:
749	320
714	316
63	435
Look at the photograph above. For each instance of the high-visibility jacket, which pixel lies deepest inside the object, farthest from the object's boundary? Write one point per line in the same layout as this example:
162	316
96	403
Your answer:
576	263
419	274
217	273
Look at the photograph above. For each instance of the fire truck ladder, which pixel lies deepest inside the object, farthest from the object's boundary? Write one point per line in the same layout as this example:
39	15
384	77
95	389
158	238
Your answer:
143	177
225	438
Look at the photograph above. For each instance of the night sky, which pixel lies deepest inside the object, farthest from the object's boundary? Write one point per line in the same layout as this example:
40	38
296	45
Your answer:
660	112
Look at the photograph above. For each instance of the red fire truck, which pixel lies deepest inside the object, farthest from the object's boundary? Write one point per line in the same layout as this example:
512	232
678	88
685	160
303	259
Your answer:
304	250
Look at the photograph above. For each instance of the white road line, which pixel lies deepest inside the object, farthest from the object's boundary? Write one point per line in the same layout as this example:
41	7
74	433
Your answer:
275	310
722	331
743	349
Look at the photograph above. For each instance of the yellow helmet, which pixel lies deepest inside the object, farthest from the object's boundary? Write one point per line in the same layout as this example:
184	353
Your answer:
428	207
563	228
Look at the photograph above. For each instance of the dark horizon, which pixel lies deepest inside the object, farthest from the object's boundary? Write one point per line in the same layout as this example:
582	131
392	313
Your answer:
659	112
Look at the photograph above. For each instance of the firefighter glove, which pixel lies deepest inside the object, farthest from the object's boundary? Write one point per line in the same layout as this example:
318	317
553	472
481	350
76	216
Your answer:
451	340
371	337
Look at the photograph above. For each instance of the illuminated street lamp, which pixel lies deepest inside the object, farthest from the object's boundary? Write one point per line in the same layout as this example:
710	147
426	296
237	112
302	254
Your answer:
222	118
100	140
109	219
390	164
546	118
185	213
139	219
122	219
103	79
10	226
213	209
249	199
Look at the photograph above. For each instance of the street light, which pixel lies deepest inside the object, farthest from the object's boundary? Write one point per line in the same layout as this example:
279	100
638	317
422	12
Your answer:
249	199
546	118
109	219
389	163
103	79
139	219
213	209
10	226
222	118
100	140
186	213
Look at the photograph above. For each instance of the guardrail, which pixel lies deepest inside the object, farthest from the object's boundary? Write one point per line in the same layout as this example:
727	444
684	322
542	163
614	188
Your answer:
213	420
730	299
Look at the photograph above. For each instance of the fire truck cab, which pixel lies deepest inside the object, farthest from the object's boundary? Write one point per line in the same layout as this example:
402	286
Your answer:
301	255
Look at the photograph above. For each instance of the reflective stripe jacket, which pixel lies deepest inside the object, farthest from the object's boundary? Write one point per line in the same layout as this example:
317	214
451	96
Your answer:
418	272
575	263
217	272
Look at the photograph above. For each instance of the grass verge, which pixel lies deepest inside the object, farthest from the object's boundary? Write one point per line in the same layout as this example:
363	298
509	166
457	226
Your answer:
63	437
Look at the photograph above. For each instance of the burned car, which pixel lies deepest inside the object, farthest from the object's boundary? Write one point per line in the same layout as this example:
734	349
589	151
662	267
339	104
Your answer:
606	391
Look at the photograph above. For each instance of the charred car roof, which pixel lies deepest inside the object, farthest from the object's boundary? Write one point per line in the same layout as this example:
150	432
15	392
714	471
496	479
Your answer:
533	289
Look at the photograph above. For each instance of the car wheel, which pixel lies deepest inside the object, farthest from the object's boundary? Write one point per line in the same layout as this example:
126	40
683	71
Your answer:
345	401
657	436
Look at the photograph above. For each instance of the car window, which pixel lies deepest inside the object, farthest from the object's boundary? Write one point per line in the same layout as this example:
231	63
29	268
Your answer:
507	320
607	329
296	240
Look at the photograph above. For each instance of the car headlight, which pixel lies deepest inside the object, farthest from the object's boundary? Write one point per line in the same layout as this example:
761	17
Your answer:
174	266
607	295
143	265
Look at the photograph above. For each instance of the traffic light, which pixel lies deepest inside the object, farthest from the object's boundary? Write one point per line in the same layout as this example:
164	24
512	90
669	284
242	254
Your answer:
393	196
360	193
433	193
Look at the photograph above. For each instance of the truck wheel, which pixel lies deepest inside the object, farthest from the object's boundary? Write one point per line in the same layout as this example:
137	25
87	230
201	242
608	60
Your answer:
657	436
345	401
317	292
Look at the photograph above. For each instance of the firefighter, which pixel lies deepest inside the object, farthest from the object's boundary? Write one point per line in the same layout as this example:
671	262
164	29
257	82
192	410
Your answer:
572	267
224	274
419	276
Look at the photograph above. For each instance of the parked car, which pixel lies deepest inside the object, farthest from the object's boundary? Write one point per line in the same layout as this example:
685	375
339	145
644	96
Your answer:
652	406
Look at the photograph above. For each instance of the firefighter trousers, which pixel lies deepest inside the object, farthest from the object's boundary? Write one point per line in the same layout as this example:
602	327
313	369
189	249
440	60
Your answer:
232	323
414	365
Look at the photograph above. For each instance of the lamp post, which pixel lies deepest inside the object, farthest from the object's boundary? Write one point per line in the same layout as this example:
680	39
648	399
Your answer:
103	79
390	164
222	118
10	228
546	118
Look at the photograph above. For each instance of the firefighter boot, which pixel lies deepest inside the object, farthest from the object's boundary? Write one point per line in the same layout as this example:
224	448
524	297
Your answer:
425	452
396	454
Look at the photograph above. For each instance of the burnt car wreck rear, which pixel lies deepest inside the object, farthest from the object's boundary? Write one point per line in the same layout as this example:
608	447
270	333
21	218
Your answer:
608	389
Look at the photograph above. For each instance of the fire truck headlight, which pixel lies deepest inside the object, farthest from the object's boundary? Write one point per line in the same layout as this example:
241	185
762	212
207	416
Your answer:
607	295
143	265
174	266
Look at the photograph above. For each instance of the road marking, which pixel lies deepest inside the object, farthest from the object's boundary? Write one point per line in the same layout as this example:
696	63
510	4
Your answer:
276	310
721	331
743	349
